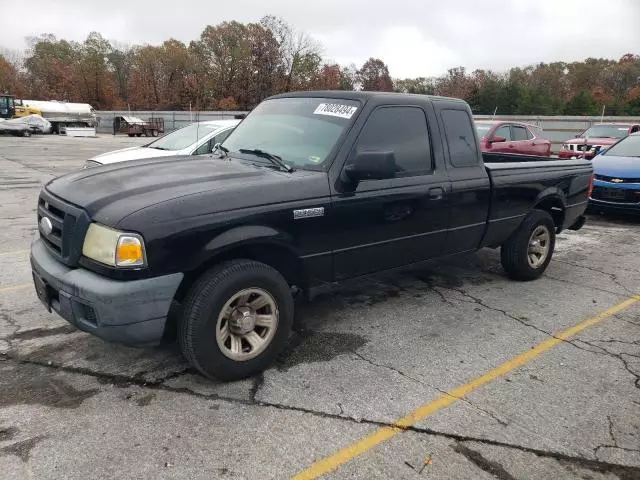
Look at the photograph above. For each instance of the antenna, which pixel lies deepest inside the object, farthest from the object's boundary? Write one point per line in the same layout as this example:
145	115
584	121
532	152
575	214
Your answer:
602	116
494	113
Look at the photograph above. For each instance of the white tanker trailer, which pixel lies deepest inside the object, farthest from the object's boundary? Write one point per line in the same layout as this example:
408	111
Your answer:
60	114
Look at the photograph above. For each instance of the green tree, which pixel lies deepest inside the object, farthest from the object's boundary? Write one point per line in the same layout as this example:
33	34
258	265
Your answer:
581	104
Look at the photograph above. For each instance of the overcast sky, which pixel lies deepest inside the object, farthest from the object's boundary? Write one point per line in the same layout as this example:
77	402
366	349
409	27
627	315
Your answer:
414	37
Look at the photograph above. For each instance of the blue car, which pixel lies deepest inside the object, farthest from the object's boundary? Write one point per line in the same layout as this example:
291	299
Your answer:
616	185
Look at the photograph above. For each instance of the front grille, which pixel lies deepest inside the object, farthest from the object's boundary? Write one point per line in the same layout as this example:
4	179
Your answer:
66	225
605	178
616	195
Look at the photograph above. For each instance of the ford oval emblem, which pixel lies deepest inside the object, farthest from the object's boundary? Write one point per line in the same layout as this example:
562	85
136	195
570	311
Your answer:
46	226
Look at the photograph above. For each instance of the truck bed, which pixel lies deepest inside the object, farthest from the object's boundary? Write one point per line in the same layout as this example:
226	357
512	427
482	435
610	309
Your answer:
519	181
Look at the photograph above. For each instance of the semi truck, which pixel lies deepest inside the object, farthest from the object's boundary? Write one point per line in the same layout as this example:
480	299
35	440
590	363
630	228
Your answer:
60	114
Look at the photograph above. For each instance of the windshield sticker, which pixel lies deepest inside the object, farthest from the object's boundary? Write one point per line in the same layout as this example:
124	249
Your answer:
335	110
314	159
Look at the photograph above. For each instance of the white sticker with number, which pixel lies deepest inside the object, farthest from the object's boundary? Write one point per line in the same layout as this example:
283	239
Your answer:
335	110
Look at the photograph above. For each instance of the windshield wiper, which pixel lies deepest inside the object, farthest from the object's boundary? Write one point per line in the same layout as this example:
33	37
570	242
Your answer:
159	148
275	159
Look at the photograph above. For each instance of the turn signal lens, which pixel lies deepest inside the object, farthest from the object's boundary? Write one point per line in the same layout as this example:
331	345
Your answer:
129	252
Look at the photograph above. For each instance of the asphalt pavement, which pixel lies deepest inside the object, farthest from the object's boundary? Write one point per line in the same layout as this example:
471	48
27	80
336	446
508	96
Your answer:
449	371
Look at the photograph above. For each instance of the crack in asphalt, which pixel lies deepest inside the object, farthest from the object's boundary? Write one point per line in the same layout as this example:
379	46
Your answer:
490	466
483	304
12	322
618	317
603	351
590	287
618	356
615	444
612	276
623	472
444	392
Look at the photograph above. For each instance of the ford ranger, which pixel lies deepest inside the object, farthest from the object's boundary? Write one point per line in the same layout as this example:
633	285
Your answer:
310	189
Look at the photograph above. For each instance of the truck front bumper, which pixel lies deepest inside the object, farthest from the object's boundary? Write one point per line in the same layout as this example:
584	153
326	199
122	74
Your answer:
127	312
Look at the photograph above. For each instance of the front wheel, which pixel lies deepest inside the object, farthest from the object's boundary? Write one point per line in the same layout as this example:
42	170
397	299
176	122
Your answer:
527	253
236	319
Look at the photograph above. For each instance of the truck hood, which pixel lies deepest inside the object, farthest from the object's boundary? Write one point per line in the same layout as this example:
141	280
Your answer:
132	153
200	184
592	141
619	167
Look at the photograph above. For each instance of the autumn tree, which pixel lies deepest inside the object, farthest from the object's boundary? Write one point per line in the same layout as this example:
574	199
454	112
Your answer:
455	84
92	66
10	79
234	65
374	76
52	68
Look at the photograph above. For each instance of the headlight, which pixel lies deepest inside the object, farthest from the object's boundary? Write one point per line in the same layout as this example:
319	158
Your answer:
114	248
91	163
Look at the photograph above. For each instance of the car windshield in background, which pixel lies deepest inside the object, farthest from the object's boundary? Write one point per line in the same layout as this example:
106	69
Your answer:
483	129
606	131
183	137
302	131
629	147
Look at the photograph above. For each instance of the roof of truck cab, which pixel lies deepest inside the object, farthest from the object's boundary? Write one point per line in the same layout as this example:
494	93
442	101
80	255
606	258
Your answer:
361	95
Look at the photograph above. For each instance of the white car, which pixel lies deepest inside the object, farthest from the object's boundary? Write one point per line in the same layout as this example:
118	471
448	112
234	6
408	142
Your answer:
195	139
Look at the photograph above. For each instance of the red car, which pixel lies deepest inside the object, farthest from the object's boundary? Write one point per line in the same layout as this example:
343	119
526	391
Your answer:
512	137
588	143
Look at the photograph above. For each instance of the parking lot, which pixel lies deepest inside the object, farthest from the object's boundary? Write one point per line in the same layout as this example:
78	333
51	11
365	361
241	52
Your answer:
447	371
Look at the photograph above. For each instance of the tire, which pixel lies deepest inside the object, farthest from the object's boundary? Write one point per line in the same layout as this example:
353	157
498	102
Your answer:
130	134
201	326
138	134
515	252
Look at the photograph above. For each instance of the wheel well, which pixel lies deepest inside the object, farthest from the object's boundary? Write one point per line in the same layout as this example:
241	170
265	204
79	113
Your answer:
282	259
555	207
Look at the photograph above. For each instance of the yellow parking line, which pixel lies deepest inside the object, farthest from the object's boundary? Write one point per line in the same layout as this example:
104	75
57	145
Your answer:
16	252
331	463
12	288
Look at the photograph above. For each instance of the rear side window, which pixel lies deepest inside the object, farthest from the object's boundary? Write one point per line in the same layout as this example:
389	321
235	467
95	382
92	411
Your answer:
458	129
402	130
529	135
519	133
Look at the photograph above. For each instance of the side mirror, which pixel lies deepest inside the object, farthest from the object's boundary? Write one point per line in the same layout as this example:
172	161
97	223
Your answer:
497	139
371	166
577	135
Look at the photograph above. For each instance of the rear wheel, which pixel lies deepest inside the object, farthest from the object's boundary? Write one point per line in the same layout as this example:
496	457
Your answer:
526	255
236	319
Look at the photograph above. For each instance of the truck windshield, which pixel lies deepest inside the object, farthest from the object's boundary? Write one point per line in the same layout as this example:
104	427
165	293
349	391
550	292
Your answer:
302	131
606	131
183	137
629	147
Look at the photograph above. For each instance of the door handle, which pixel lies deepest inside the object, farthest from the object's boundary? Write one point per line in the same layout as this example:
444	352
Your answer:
436	193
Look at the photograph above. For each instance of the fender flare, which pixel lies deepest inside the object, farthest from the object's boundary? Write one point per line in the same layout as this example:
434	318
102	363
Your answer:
242	236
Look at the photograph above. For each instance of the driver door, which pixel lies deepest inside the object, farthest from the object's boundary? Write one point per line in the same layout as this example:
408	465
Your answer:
384	224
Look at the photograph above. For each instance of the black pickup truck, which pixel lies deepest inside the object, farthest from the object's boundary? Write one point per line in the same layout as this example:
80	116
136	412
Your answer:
311	188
